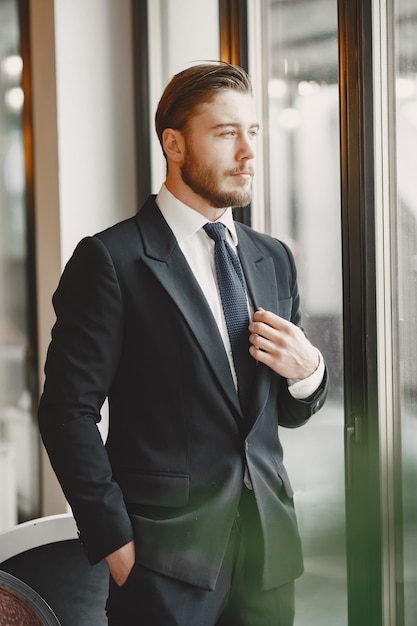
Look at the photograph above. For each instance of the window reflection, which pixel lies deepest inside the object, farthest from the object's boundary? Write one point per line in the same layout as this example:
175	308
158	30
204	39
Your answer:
19	482
300	61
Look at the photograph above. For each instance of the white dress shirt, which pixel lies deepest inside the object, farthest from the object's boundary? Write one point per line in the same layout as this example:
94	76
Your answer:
198	249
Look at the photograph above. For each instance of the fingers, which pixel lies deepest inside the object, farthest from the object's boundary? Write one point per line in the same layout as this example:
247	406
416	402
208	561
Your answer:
281	345
264	357
269	331
271	319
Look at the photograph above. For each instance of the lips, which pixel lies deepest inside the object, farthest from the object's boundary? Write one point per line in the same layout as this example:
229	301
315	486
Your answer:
246	172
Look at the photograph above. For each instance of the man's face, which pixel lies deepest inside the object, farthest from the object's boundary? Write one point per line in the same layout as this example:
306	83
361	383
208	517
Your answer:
219	150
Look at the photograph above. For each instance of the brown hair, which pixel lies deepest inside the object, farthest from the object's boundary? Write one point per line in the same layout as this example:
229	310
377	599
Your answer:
193	86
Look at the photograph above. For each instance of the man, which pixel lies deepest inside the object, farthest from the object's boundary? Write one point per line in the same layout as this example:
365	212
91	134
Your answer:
189	500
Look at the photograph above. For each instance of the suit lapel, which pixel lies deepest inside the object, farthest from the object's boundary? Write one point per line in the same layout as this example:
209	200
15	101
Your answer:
262	286
259	272
165	259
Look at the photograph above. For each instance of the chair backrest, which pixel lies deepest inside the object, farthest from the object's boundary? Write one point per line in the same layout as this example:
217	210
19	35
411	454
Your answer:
46	555
36	532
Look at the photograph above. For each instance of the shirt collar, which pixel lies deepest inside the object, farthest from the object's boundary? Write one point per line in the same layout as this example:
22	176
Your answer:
185	221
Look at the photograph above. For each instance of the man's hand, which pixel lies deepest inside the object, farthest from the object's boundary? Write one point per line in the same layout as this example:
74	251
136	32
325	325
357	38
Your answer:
282	346
121	562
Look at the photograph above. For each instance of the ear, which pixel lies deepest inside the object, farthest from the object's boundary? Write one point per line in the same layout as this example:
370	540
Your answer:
173	144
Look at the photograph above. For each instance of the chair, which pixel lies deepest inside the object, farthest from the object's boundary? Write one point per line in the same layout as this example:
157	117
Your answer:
46	555
21	605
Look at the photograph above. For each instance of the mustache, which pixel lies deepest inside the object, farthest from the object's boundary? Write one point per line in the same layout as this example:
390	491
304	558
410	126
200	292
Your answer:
240	170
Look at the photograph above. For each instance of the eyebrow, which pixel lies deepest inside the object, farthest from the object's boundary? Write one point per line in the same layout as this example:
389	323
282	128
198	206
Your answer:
234	125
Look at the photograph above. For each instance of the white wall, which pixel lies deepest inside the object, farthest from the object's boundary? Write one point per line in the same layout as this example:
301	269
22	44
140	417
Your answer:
83	134
95	116
46	188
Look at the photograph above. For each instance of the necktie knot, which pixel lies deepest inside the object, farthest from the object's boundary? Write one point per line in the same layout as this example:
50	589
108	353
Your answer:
215	230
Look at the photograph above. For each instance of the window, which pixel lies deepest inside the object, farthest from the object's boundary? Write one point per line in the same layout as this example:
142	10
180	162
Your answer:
19	442
293	58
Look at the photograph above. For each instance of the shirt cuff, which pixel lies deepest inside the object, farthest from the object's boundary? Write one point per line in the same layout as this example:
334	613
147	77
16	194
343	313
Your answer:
302	389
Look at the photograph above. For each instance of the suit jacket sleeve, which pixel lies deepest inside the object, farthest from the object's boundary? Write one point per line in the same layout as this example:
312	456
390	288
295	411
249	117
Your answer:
82	358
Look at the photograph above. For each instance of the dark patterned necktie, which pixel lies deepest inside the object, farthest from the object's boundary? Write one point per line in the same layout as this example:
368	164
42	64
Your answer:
234	302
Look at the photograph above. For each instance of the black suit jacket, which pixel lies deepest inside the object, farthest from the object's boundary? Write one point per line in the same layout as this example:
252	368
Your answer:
133	325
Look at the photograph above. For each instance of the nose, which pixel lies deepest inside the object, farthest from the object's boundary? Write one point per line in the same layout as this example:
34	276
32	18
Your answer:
246	148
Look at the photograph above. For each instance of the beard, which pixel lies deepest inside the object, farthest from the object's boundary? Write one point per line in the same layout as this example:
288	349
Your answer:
205	181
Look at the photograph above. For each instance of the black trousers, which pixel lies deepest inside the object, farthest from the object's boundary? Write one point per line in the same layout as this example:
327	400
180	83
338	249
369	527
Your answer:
152	599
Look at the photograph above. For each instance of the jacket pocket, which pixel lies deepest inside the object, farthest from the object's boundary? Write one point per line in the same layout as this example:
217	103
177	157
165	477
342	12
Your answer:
168	490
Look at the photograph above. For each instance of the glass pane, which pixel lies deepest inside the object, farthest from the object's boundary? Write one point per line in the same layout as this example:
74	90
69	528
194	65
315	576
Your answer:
19	477
300	65
406	126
